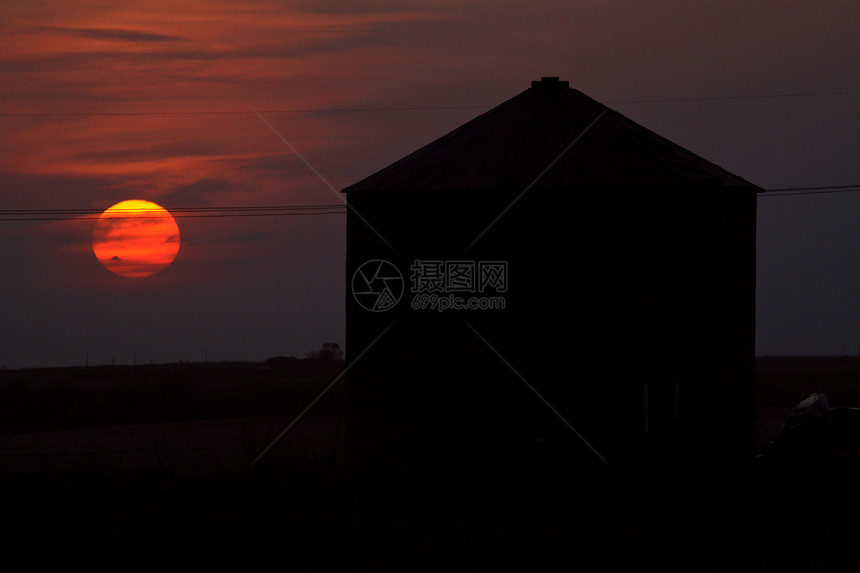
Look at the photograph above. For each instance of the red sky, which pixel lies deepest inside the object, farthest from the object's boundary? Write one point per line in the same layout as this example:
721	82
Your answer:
83	84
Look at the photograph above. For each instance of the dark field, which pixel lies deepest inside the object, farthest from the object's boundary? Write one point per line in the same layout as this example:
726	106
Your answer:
38	400
782	382
172	488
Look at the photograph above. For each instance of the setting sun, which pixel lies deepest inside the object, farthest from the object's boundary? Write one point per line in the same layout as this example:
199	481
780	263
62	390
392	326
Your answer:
136	238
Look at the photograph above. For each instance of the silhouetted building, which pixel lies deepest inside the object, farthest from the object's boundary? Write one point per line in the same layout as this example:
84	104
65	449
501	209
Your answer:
625	266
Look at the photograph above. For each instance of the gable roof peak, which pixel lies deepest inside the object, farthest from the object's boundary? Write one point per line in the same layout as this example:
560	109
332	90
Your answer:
550	82
528	141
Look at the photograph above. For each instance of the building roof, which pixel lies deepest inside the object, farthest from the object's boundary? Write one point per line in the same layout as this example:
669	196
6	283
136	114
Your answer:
547	137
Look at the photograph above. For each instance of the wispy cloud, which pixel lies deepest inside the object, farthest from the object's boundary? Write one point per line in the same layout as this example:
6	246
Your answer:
113	34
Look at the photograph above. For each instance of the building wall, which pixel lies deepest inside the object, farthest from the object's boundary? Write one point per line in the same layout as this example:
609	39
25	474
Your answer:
609	290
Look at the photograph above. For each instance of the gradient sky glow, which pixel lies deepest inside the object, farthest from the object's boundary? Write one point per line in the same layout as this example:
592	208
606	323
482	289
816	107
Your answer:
246	288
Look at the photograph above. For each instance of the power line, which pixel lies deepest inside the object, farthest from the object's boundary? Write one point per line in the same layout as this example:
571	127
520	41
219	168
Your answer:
242	112
90	218
404	108
177	212
821	190
179	209
737	97
85	214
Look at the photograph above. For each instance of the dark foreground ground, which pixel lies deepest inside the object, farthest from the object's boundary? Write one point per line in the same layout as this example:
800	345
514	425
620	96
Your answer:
781	511
777	515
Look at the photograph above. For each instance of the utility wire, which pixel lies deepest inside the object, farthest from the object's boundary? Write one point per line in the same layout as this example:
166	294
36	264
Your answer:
92	218
85	214
177	213
737	97
241	112
822	190
180	209
405	108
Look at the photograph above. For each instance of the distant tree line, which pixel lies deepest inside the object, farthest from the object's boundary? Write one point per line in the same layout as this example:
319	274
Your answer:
86	396
330	354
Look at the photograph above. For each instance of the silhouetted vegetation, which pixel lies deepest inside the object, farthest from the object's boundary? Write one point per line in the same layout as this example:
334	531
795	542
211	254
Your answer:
330	352
282	362
62	398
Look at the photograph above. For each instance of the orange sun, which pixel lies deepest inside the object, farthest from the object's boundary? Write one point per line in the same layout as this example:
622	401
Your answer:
136	238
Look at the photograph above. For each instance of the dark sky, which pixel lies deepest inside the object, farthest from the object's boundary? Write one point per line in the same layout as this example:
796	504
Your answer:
246	288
